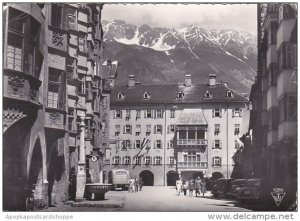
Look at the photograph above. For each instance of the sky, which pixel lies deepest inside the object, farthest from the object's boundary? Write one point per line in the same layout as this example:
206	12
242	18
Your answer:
208	16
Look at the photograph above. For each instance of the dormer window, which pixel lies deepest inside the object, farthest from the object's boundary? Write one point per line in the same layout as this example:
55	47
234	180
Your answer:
207	94
120	96
146	96
180	95
229	94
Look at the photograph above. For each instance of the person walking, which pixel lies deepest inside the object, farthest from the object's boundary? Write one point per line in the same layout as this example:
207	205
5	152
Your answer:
203	187
185	187
141	183
131	185
197	186
136	185
191	187
178	185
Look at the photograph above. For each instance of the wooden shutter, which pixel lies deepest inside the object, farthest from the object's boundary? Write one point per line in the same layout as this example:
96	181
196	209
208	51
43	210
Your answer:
220	111
213	112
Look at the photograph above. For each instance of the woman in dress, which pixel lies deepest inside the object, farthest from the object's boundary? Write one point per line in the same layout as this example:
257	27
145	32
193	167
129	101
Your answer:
178	185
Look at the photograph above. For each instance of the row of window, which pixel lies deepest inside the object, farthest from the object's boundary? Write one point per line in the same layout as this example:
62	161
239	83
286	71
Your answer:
236	112
180	95
58	18
158	129
157	160
137	144
147	160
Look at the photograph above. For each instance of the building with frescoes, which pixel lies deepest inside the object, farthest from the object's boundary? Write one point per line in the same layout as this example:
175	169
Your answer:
52	72
157	131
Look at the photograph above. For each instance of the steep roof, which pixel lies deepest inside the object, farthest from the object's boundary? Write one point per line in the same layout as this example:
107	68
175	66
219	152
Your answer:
191	117
168	94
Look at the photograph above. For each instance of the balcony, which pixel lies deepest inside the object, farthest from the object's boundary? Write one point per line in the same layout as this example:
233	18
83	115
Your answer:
21	87
192	165
192	142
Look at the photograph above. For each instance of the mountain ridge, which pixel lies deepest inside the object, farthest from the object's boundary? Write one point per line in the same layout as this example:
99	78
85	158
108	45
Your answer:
161	55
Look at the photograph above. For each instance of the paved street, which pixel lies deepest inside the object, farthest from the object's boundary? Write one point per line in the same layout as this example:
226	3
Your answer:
162	199
156	199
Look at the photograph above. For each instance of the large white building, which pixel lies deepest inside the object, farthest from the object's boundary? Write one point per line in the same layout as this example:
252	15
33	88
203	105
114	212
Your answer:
206	118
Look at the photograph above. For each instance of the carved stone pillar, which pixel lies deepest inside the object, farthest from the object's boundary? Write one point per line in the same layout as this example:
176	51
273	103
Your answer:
81	175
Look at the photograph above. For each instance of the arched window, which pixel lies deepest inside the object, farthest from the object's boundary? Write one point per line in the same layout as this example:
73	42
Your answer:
120	96
146	96
229	94
207	94
180	95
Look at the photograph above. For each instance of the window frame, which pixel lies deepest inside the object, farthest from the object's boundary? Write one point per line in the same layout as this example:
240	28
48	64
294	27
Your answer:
217	161
158	144
217	130
237	129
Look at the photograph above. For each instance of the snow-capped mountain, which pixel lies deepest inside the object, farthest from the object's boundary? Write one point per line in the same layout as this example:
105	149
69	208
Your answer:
158	55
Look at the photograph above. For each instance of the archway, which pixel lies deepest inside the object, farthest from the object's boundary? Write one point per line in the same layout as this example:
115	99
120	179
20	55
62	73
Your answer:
172	176
147	177
35	176
216	175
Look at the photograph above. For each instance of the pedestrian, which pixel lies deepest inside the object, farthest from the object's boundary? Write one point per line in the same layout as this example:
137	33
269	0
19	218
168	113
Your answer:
197	186
136	185
191	187
141	182
203	187
131	185
185	187
178	185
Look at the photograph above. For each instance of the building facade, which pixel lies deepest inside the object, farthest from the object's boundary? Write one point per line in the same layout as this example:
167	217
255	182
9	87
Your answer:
51	75
144	119
274	97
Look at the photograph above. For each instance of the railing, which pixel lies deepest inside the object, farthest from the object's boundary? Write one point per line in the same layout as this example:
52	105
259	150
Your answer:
192	164
191	142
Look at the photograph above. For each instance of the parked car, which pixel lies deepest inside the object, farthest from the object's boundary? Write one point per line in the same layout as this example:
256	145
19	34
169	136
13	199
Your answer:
221	187
255	190
237	186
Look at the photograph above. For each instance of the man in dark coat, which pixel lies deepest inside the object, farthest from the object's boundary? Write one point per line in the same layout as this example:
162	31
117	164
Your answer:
197	186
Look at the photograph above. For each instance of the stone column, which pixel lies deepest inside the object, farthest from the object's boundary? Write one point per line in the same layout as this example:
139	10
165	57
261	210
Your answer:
81	175
101	176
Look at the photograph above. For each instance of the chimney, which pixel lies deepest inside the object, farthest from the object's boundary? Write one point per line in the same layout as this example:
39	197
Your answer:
212	79
225	83
188	80
131	80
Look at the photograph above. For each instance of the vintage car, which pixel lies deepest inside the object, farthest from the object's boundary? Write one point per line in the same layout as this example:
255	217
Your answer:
255	190
221	187
237	186
120	179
